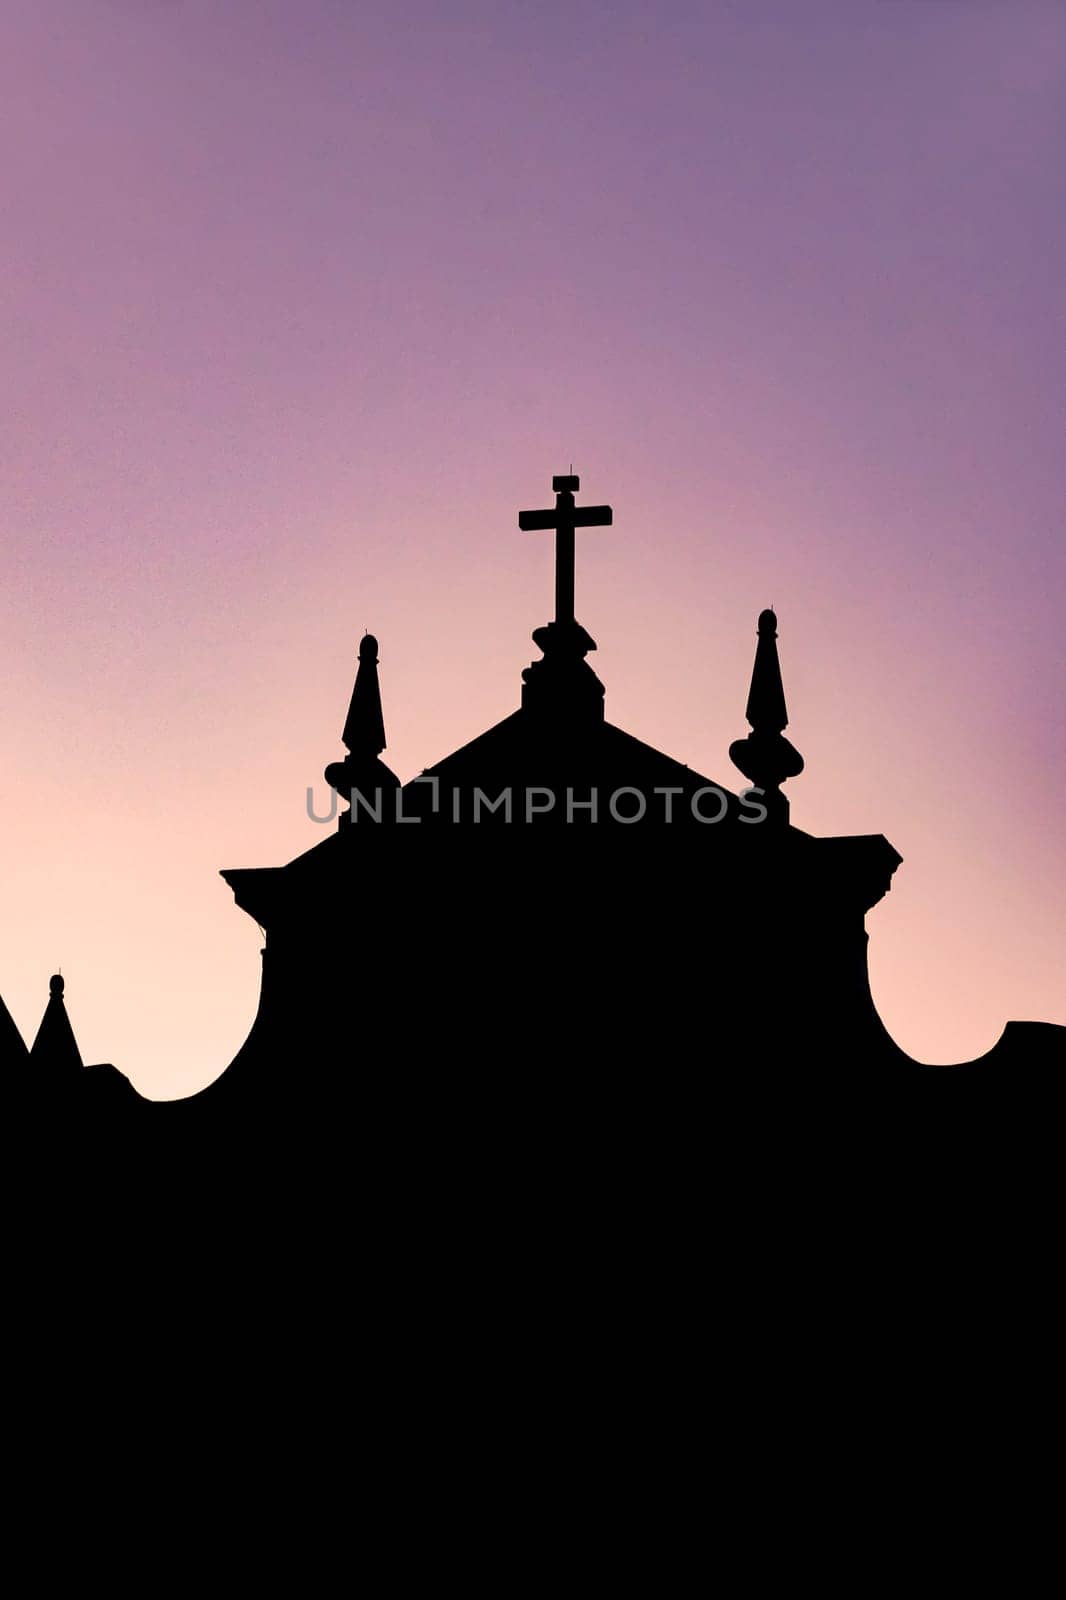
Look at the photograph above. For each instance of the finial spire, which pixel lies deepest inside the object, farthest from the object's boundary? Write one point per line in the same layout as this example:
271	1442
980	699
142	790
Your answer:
364	734
55	1048
765	756
364	727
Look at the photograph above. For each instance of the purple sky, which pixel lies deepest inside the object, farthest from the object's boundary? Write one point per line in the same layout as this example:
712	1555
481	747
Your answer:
303	299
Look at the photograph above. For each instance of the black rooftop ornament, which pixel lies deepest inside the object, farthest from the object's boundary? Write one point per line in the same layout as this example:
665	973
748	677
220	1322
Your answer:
564	519
766	756
364	735
563	684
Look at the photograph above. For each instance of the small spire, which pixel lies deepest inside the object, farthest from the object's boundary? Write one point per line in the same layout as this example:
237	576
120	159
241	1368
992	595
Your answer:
364	729
55	1048
363	736
765	756
765	709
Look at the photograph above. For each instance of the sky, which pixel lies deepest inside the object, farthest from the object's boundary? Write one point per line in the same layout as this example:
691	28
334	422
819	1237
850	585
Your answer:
302	301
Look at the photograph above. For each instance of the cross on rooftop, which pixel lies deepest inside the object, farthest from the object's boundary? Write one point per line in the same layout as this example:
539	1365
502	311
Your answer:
564	519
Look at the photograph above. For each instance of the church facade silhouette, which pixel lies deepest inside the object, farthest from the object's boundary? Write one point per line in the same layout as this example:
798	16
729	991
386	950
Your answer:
556	921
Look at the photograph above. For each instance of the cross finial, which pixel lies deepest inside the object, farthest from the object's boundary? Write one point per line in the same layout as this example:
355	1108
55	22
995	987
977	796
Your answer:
564	518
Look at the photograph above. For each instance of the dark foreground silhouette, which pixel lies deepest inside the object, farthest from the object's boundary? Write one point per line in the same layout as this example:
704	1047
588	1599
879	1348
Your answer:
567	1194
559	953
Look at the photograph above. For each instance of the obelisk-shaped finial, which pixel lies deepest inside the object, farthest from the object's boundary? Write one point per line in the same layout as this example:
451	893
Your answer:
364	728
364	736
766	756
55	1049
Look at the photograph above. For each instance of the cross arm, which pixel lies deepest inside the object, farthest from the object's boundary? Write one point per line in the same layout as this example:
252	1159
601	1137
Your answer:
571	517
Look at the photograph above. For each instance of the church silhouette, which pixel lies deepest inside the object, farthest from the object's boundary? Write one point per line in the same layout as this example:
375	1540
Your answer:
555	929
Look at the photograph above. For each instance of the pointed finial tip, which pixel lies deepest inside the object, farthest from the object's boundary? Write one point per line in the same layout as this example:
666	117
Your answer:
55	986
368	648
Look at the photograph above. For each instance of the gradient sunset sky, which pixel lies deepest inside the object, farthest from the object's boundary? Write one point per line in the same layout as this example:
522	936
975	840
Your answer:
302	300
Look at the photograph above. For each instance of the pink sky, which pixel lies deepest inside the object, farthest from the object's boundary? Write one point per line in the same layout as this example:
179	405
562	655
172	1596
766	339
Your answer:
302	300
